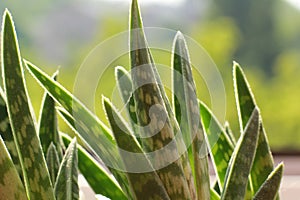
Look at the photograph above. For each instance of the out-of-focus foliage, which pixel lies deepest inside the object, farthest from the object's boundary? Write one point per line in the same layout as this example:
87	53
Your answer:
262	35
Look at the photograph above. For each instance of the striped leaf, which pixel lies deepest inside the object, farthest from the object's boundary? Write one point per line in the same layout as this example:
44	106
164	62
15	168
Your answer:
142	184
124	82
220	145
11	186
235	186
157	132
86	124
6	133
270	187
187	114
66	185
125	86
139	44
263	163
35	173
48	127
53	162
96	175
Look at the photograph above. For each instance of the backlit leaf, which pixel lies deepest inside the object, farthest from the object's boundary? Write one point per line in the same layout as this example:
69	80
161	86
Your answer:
35	173
96	175
143	184
147	95
11	187
263	163
187	113
235	186
66	186
270	187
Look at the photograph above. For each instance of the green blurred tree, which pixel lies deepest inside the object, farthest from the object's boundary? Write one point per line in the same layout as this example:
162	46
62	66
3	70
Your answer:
255	19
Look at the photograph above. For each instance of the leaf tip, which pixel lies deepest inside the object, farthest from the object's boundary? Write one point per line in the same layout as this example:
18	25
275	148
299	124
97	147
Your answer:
136	21
119	72
7	15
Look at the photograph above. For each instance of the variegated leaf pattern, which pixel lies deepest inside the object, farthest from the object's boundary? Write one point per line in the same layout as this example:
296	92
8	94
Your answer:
86	124
187	112
48	127
144	184
35	173
53	162
147	95
235	186
66	185
137	28
124	82
219	144
269	188
263	163
11	186
6	133
97	176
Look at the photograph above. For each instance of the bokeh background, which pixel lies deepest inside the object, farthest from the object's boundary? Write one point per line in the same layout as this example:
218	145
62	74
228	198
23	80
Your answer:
262	35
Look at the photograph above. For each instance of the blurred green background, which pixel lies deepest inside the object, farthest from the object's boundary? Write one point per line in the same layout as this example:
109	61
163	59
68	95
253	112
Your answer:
262	35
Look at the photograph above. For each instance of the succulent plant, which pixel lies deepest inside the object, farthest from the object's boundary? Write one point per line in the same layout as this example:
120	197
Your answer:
162	152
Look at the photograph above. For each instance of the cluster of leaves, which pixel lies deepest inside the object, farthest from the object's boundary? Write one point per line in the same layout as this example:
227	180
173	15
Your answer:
35	165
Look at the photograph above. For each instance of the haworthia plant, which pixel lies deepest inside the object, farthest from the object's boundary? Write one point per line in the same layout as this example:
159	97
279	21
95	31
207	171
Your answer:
263	163
66	185
34	170
167	141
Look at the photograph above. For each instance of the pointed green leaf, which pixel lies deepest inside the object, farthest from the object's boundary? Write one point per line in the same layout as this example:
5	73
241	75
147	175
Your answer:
140	55
11	187
124	82
66	186
48	127
125	86
147	95
86	124
263	163
52	162
270	187
142	184
35	174
96	175
187	113
220	145
93	129
6	133
235	186
120	176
